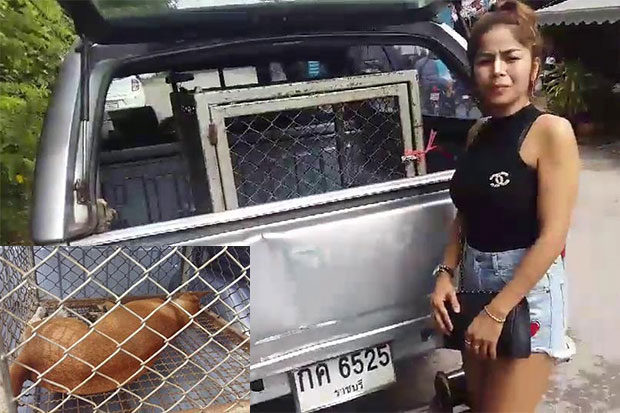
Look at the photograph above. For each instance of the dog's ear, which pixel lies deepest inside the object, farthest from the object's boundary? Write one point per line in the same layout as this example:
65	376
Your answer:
190	301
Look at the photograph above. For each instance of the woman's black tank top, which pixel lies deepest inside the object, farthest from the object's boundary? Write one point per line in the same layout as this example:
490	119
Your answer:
494	189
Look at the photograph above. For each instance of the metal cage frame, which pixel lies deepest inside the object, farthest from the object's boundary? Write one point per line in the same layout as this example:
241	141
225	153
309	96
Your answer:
219	115
211	103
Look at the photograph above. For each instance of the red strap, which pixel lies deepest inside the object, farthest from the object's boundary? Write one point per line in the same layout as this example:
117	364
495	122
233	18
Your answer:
419	154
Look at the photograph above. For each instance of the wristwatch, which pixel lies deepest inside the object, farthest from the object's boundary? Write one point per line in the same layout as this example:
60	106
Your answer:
443	268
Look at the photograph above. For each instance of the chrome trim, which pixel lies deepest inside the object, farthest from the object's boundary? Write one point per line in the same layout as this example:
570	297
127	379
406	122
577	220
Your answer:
206	220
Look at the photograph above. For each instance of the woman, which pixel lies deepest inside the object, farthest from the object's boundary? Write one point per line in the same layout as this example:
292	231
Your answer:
514	188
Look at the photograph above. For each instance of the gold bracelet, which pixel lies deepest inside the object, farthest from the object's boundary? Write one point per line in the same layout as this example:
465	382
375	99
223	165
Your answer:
499	320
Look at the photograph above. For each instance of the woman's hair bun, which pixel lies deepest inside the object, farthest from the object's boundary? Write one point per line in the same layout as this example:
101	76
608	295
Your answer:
506	5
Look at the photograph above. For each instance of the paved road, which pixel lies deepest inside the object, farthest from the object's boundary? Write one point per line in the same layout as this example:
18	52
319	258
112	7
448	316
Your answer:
591	381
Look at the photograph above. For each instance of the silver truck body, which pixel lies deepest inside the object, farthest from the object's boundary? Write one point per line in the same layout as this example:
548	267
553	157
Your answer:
333	272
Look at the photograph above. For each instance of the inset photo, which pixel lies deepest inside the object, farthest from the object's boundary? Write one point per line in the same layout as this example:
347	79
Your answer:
124	329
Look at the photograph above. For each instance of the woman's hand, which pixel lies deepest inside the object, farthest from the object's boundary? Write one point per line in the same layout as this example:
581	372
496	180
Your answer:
444	292
482	336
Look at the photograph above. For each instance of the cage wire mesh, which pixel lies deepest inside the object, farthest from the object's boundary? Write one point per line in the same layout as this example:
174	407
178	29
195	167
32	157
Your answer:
289	154
203	363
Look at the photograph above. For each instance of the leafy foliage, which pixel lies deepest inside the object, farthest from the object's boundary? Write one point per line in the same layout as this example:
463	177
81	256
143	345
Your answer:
34	37
568	88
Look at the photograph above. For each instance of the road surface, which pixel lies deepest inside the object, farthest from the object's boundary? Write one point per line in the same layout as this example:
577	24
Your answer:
591	381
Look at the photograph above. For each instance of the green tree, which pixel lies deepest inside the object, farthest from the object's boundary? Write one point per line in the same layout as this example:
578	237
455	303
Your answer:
34	37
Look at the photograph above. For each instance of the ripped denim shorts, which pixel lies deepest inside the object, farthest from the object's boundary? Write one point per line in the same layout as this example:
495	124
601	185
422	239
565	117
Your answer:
547	299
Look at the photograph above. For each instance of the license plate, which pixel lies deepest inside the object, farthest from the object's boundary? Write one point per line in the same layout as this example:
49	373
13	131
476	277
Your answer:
343	378
434	96
109	106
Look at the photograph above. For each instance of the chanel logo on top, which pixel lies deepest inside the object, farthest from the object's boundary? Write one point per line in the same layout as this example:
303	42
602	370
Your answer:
499	179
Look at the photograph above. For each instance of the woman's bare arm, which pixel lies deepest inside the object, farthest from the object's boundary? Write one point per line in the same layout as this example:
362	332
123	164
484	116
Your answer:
452	252
558	179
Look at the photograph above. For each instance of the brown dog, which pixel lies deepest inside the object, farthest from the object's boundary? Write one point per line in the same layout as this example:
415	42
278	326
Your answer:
114	327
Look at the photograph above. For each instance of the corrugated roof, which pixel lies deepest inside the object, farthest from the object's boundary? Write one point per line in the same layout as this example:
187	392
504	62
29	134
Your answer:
580	11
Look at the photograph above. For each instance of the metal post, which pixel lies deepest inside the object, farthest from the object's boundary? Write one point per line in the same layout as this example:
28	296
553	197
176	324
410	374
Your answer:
7	404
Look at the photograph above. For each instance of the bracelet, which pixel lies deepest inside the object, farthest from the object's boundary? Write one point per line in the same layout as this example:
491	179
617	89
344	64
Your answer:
444	268
499	320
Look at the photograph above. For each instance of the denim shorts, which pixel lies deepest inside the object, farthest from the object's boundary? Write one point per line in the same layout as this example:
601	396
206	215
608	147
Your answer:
547	299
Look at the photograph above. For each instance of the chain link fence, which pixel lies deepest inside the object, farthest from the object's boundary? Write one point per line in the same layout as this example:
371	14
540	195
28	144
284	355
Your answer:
125	329
289	154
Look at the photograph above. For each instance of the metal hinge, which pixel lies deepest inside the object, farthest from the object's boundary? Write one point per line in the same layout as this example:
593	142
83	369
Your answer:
81	192
212	134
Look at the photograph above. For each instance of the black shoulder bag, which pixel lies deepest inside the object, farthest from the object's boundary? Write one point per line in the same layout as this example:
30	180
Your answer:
515	338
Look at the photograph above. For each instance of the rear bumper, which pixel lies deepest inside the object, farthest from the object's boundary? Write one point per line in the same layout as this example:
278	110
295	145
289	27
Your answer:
408	339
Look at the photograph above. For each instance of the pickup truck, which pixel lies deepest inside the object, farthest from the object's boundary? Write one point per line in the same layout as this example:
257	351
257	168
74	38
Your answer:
324	159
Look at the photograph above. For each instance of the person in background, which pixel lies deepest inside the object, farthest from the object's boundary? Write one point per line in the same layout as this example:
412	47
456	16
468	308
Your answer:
435	80
446	15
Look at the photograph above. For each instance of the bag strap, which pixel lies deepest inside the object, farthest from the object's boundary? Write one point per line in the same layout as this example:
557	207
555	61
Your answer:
474	131
526	129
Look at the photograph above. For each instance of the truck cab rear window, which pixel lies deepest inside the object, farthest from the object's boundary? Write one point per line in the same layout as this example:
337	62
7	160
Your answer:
227	138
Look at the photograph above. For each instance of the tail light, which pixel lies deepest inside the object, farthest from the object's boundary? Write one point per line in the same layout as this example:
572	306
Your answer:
135	85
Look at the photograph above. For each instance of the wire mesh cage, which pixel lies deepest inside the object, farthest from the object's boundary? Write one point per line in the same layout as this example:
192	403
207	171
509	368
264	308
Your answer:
116	329
307	151
282	148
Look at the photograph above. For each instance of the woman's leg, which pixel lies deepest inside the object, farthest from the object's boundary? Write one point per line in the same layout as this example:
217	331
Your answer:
475	375
516	385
